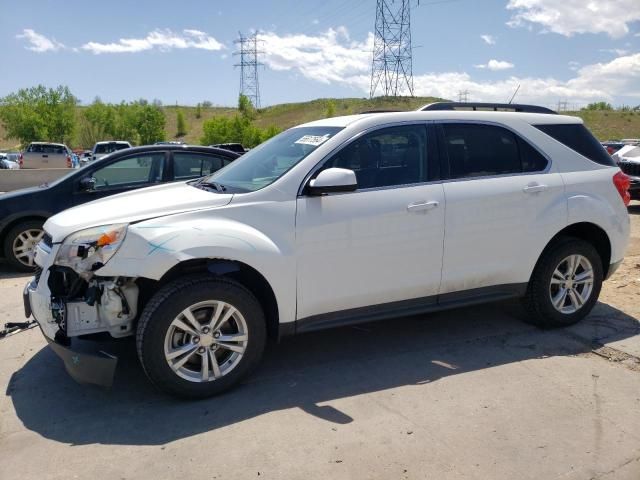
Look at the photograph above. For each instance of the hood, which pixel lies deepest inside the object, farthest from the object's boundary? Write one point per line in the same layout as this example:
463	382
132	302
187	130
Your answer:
134	206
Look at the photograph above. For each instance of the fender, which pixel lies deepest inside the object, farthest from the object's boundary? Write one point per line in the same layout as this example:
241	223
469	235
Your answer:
152	248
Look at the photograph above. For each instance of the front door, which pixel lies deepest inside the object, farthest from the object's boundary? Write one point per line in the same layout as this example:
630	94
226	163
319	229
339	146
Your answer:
130	173
381	243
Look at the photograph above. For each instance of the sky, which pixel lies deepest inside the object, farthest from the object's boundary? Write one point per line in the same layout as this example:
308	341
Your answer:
575	51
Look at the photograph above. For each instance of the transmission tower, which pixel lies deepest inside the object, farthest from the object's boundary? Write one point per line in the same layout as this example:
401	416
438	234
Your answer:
392	64
248	52
463	96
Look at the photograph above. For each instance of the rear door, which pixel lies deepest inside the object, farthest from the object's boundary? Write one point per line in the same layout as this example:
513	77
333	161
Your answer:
503	206
122	175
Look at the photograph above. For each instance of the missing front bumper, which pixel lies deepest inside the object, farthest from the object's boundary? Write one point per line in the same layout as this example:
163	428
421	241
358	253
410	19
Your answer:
84	364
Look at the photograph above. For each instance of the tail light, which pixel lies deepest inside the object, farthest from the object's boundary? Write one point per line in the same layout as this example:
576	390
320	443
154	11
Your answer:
69	161
610	150
622	183
21	160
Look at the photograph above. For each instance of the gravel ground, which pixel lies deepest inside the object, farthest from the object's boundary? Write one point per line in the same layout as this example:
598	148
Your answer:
470	393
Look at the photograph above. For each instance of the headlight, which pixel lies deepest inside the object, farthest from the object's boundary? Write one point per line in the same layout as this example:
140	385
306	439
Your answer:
90	249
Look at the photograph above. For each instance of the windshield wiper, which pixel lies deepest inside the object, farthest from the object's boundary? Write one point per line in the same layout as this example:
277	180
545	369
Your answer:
218	186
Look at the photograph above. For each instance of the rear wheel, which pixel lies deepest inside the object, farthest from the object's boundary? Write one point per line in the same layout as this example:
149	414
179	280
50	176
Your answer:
199	336
20	243
565	284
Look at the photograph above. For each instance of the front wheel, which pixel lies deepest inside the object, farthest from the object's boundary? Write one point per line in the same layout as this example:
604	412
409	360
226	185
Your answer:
20	244
565	284
199	336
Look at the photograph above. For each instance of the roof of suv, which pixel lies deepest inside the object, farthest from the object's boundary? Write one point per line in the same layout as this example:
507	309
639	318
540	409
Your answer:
388	117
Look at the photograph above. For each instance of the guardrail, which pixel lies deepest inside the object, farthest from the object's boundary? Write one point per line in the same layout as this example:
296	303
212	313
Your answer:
16	179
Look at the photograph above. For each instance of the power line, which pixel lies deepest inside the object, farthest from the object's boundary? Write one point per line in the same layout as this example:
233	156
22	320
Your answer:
248	53
463	96
392	68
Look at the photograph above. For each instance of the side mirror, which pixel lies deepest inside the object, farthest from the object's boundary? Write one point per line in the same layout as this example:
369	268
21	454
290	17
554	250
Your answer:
88	184
333	180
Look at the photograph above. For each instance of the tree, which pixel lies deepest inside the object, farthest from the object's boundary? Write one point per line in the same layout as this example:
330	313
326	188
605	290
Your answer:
38	113
207	104
150	122
599	106
331	109
181	124
246	108
198	111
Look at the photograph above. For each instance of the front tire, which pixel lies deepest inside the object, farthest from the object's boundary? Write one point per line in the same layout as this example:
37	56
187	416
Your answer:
199	336
20	244
565	284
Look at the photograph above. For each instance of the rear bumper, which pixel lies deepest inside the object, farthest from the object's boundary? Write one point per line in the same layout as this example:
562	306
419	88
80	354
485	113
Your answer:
84	363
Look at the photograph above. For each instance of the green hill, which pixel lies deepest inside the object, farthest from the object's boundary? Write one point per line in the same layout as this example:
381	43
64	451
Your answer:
604	124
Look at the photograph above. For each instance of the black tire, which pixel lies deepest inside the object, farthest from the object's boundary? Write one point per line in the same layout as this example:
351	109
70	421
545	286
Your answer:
537	302
167	304
11	237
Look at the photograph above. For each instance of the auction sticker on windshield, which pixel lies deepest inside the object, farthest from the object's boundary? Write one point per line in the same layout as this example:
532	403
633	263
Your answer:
314	140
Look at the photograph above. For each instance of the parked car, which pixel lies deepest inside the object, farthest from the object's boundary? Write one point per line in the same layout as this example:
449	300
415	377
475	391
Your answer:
334	222
15	157
628	159
86	157
100	149
612	147
6	164
23	212
46	155
234	147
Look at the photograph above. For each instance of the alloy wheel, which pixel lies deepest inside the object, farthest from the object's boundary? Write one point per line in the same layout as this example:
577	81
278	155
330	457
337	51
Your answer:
206	341
571	284
24	246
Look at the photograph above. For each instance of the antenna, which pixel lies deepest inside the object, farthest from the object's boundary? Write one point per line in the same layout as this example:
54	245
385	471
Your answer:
391	68
514	94
248	52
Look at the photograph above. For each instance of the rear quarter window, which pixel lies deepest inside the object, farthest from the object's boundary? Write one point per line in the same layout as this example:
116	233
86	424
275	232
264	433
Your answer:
579	139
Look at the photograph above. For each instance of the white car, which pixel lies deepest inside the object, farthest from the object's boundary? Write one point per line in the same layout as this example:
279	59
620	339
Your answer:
101	149
6	164
338	221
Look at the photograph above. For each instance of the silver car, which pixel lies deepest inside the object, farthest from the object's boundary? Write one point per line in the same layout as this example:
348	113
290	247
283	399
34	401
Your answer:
47	155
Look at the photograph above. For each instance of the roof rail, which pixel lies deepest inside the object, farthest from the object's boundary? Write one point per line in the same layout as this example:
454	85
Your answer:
496	107
379	111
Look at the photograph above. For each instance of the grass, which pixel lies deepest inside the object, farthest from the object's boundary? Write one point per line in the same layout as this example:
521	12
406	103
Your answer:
604	125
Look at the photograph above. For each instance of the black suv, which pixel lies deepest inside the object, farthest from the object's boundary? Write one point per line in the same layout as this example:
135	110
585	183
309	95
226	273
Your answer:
23	212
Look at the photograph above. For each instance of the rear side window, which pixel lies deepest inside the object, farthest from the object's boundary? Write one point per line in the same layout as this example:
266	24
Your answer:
579	139
477	150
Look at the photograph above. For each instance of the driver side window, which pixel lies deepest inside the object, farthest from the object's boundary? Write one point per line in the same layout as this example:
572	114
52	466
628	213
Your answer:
131	171
386	157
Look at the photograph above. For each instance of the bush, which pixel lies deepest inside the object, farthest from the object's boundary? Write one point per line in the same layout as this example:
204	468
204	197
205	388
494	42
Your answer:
181	127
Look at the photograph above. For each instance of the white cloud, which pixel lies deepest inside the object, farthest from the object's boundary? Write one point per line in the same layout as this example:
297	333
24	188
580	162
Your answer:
617	51
496	65
163	40
332	57
328	57
573	65
488	39
39	43
568	17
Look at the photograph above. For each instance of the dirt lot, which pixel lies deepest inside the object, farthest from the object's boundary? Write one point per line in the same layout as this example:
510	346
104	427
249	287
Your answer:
470	393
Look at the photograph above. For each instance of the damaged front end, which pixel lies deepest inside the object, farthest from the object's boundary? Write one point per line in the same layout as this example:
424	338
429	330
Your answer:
70	301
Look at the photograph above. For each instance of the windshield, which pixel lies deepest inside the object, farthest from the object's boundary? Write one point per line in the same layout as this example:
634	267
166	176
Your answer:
110	147
267	162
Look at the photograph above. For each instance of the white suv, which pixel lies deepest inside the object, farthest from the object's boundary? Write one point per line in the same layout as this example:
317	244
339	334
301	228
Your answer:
337	221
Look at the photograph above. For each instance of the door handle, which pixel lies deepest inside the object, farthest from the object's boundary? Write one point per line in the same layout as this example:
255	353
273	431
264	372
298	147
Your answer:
45	156
422	206
536	188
